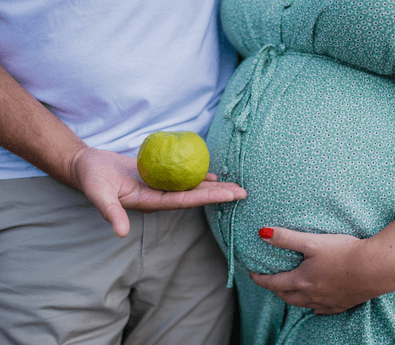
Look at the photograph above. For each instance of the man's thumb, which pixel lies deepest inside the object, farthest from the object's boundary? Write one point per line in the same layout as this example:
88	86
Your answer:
118	218
112	211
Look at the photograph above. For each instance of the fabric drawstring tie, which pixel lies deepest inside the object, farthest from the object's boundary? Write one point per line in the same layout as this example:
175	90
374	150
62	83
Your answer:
243	106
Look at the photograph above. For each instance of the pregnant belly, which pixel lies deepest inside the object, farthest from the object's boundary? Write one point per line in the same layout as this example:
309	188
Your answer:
317	156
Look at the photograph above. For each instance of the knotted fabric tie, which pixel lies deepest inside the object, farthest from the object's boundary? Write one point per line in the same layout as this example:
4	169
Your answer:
244	106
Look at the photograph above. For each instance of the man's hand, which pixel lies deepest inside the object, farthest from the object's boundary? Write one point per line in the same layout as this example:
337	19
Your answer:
338	272
109	180
112	183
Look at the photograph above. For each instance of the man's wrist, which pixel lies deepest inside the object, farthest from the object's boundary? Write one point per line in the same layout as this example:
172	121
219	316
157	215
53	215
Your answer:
74	180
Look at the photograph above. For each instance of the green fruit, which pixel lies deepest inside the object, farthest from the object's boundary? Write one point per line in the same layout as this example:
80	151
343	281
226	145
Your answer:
173	161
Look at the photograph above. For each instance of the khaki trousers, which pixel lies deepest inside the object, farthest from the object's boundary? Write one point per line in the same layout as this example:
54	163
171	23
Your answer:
66	278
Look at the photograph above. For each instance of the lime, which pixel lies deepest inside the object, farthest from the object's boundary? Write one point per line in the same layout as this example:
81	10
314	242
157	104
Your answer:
173	161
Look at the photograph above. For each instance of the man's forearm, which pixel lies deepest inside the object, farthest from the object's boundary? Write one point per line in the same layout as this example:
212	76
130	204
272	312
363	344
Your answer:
31	131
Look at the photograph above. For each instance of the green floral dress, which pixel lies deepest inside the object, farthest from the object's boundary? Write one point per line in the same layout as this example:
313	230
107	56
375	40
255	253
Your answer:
307	127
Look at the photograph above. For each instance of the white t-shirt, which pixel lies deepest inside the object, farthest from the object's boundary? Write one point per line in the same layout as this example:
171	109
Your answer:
116	71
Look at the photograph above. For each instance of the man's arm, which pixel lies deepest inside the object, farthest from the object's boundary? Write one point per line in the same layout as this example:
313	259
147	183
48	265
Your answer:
31	131
109	180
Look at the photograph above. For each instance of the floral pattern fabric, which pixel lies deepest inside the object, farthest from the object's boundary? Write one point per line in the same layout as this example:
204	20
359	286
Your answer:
307	127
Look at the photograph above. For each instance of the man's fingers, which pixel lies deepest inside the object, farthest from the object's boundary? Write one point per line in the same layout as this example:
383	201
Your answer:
211	193
149	199
230	191
211	177
203	196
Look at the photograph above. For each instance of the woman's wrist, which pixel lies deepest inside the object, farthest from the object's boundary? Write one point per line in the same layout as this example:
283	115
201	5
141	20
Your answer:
377	261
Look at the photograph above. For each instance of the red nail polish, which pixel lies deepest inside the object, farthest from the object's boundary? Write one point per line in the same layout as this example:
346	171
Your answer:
266	233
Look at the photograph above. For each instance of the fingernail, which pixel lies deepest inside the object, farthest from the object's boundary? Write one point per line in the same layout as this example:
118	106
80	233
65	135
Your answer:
266	233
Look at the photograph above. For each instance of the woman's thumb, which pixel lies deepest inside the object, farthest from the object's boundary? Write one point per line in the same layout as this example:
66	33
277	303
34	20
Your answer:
286	238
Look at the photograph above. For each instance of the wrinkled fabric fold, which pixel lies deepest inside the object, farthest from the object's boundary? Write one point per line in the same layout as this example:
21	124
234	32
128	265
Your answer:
244	105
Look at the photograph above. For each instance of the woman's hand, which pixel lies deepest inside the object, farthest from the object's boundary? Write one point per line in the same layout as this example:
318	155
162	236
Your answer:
338	271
